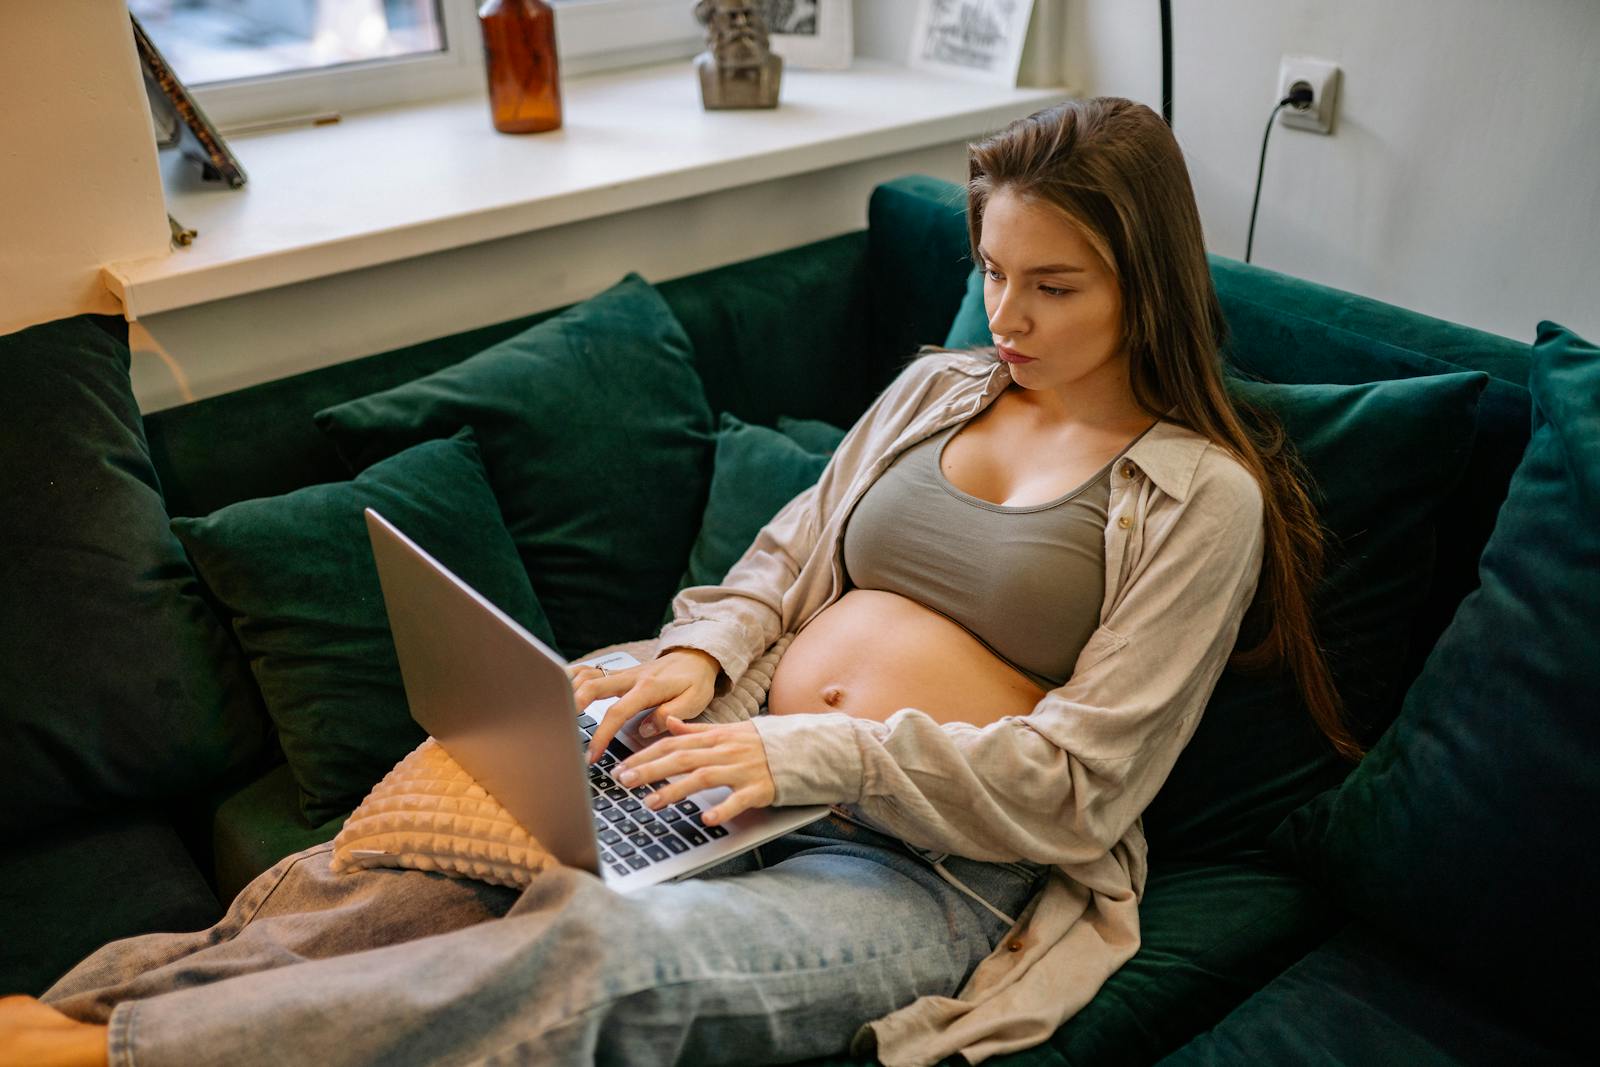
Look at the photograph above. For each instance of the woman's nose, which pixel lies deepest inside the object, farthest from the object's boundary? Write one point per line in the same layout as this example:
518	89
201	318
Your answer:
1005	319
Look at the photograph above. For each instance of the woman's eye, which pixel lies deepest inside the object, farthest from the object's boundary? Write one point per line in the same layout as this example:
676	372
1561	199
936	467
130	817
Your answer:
995	276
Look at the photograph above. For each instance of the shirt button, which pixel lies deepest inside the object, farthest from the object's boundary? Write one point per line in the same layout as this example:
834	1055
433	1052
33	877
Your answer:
1125	522
1014	946
1127	470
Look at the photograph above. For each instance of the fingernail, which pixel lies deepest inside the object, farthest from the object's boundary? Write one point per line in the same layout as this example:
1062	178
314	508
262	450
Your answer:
648	728
653	800
627	777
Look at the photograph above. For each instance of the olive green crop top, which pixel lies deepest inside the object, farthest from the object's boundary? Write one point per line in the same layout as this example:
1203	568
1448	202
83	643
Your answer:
1026	581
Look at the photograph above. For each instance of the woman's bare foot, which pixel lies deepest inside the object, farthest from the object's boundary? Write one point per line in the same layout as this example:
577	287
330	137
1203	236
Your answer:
35	1035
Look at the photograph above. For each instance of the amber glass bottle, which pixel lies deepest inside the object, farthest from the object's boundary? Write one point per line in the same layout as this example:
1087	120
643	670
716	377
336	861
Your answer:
519	42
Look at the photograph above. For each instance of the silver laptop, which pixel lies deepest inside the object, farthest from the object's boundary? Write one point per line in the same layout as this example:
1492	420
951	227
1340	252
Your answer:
500	702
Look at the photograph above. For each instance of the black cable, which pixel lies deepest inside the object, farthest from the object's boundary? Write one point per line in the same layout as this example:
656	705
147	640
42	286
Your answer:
1166	61
1300	98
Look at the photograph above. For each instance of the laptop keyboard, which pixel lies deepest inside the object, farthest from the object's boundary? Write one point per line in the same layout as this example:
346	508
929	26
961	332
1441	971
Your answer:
632	837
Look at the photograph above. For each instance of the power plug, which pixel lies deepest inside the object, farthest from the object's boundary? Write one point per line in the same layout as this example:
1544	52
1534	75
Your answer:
1321	77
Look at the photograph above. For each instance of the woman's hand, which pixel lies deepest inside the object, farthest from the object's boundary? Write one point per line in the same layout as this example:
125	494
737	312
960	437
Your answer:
682	682
33	1034
707	755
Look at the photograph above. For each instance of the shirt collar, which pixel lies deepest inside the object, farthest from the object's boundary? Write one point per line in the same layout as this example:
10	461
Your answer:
1169	453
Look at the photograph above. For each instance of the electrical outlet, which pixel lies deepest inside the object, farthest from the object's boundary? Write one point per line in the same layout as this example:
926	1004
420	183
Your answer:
1323	78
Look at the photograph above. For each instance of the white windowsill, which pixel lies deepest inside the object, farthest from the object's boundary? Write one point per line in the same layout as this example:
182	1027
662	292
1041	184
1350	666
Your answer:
396	183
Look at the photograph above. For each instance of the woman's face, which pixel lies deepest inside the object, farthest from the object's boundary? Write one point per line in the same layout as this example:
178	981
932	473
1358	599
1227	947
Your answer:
1050	297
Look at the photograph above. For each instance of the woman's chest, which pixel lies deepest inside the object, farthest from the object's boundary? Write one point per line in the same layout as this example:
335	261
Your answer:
1001	457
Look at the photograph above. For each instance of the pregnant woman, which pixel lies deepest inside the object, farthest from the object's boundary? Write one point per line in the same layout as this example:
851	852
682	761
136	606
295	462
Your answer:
983	637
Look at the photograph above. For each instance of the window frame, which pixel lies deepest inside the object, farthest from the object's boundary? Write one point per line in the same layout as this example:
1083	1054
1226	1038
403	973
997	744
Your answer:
591	35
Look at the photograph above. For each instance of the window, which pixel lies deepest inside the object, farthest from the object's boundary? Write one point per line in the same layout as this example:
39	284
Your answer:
255	60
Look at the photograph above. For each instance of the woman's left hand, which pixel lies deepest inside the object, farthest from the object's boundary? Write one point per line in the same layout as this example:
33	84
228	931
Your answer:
706	755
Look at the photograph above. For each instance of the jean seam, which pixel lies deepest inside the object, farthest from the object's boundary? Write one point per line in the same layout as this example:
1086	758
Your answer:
271	892
119	1035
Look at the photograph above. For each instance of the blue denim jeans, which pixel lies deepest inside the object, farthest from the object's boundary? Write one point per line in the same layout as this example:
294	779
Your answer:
779	954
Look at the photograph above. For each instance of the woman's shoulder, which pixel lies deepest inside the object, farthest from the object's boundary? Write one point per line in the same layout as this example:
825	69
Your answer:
931	376
1226	491
933	360
1198	473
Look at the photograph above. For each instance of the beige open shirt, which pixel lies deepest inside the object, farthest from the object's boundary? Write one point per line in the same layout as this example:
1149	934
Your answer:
1063	785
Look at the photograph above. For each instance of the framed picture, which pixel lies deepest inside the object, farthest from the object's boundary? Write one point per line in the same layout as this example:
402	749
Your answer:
810	34
179	122
980	40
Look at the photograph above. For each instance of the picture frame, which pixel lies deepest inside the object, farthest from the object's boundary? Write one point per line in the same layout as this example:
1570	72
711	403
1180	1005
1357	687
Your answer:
976	40
811	34
179	122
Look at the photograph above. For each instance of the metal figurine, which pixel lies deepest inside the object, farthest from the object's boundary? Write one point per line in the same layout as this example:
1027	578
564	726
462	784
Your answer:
738	68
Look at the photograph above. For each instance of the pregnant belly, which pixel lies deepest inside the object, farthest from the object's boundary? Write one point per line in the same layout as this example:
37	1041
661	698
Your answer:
871	653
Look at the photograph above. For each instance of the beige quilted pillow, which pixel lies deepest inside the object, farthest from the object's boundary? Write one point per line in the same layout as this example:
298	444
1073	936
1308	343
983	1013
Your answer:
428	814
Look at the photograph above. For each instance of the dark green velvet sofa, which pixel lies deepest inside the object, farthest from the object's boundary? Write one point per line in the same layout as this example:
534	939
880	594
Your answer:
1242	953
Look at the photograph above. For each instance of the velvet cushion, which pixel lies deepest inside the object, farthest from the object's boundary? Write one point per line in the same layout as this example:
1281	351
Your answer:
117	681
73	887
813	435
1381	457
1272	342
256	826
297	575
598	442
1361	999
970	327
758	470
1466	832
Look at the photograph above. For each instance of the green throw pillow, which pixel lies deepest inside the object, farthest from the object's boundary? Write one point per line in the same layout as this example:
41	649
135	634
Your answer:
297	575
598	441
1468	830
1382	457
757	472
813	435
970	327
117	681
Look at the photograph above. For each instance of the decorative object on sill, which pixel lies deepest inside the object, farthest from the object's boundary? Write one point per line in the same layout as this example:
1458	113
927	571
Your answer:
810	34
179	122
737	69
979	40
181	234
519	44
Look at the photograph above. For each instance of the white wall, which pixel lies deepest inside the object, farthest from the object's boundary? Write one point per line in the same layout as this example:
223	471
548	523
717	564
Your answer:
1463	176
78	180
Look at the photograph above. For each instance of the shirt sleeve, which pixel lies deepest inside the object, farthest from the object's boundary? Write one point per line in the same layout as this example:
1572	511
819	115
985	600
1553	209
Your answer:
739	618
1063	784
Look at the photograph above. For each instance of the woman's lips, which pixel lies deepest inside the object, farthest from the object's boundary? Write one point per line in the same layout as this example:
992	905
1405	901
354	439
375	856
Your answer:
1012	356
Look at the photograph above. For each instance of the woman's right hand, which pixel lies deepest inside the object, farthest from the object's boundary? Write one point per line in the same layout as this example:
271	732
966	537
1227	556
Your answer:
680	683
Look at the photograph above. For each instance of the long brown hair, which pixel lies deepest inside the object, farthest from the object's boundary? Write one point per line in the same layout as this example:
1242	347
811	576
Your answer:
1114	169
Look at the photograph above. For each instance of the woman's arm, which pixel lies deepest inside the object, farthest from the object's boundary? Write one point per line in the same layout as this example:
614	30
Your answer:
1063	784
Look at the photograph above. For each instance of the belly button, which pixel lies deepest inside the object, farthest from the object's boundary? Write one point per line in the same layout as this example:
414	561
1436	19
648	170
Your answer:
832	695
